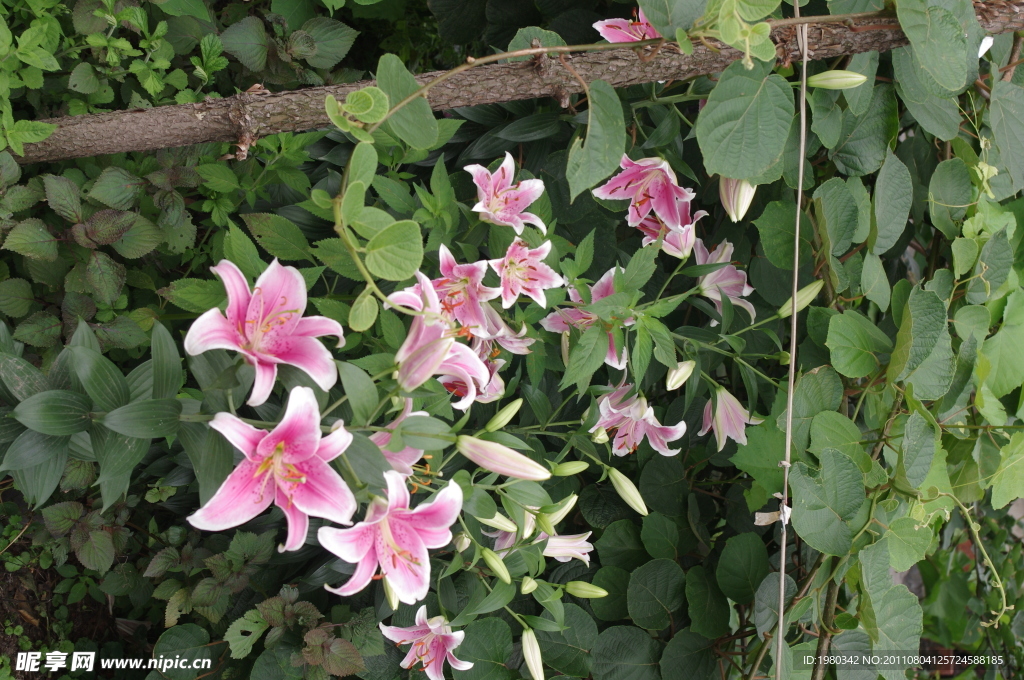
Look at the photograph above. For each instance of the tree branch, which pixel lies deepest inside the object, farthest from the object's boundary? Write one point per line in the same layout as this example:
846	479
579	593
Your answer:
232	118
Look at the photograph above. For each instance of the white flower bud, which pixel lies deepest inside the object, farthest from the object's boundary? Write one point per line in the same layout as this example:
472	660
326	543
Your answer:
531	652
502	417
804	297
499	521
462	541
736	196
627	491
495	564
570	468
599	437
679	375
837	80
567	504
529	585
585	590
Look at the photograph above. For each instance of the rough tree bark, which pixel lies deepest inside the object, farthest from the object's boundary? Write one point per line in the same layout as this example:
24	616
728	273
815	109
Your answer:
231	118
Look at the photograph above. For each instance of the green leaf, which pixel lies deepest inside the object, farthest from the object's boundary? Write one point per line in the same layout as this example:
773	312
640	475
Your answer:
31	239
101	379
1008	480
891	614
760	456
244	633
669	15
369	105
240	249
569	651
187	642
363	312
823	505
1007	119
742	567
612	607
865	139
247	41
63	195
210	454
56	412
917	450
145	419
295	12
84	79
744	126
857	347
949	195
333	41
817	390
105	277
363	164
894	194
992	269
839	212
32	449
166	364
192	8
591	162
414	123
39	330
620	546
626	653
16	297
139	240
908	542
218	176
923	356
396	252
361	391
278	236
874	283
859	98
195	295
708	608
585	358
97	552
656	590
663	485
116	188
487	645
938	40
660	536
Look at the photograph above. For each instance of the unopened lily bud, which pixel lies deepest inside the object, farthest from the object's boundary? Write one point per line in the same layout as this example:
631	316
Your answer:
462	541
627	491
502	417
783	358
563	509
680	374
736	196
804	297
501	459
495	564
599	437
565	348
585	590
837	80
545	523
499	521
570	468
529	585
390	595
531	652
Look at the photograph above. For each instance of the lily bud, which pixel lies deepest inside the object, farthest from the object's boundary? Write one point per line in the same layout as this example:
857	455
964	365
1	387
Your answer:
390	595
837	80
567	504
680	374
804	297
627	491
499	521
600	437
495	564
462	541
736	196
585	590
502	417
565	348
529	585
570	468
545	523
501	459
531	652
783	358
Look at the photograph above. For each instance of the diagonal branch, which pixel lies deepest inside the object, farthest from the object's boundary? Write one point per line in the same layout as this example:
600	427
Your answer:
232	118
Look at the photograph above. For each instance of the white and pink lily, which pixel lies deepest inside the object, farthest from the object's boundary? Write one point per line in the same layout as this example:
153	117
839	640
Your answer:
432	643
624	30
649	184
266	326
401	461
395	538
727	418
289	466
727	282
500	201
523	271
562	319
631	420
678	240
461	291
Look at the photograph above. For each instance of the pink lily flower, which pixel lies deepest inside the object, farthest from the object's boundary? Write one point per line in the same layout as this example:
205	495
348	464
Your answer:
293	461
523	271
462	292
727	281
631	419
401	461
497	330
500	201
678	240
267	327
430	348
560	320
624	30
730	419
493	390
648	183
396	539
432	643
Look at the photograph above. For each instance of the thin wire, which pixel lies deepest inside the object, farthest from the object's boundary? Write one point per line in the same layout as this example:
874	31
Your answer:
780	630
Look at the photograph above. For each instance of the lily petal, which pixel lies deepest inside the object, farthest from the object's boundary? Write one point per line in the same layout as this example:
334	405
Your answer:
242	435
239	499
266	375
299	429
211	331
298	522
324	493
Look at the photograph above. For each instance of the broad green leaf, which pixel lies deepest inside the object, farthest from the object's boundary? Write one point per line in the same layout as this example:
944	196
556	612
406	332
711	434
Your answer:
760	456
891	614
818	390
742	567
656	590
938	40
210	454
1008	481
691	654
193	8
240	249
145	419
31	239
766	602
195	295
363	312
101	379
857	347
117	455
16	297
244	633
669	15
612	607
139	240
32	449
187	642
823	505
56	412
917	450
592	161
992	269
585	358
1007	119
39	330
414	123
949	195
626	653
908	542
894	193
396	252
708	608
621	546
838	211
278	236
363	164
859	98
923	356
743	127
21	378
1002	350
97	552
333	41
166	364
874	283
247	41
865	139
775	226
487	645
663	485
361	391
105	277
116	188
569	651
